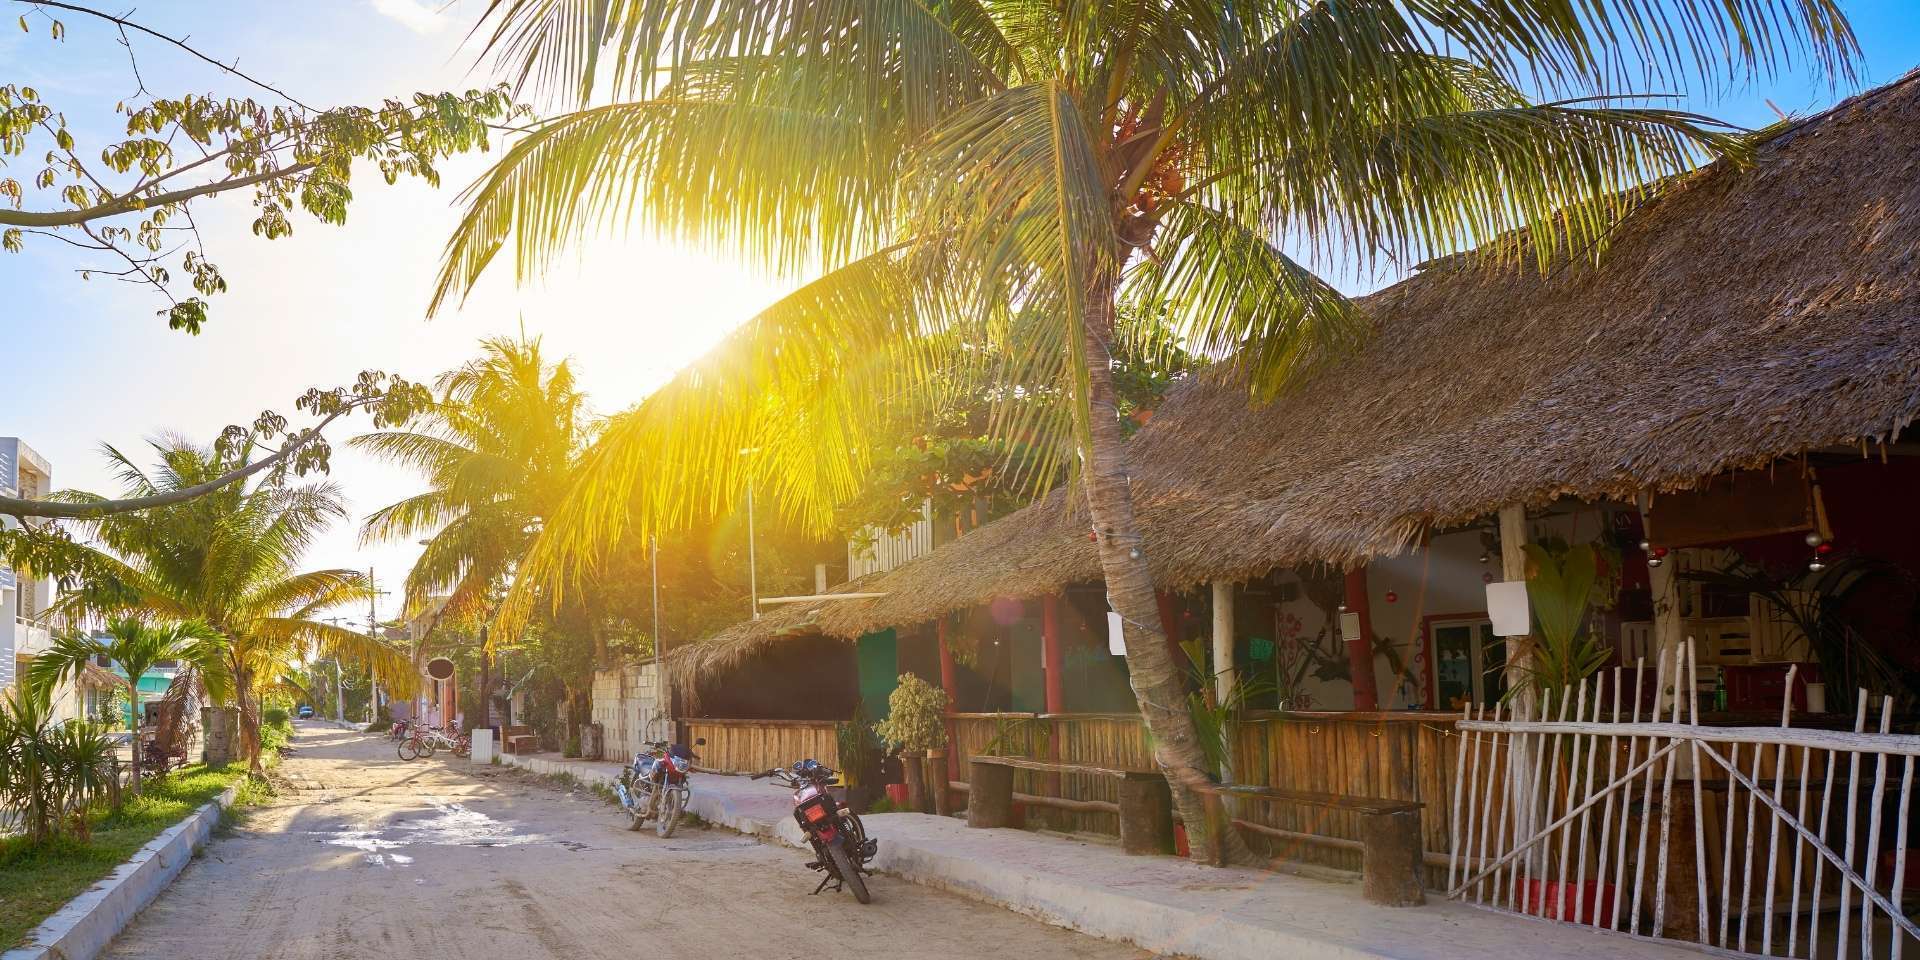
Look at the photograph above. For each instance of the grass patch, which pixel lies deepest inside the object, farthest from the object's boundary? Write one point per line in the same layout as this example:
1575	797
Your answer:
35	882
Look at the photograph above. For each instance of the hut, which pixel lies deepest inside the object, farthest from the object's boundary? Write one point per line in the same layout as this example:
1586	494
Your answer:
1721	396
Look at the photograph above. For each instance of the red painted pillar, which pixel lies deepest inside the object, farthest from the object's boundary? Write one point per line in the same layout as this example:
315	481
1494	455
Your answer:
1366	694
1050	652
948	684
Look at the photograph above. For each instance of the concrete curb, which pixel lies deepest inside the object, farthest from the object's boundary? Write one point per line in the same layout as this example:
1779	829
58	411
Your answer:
90	921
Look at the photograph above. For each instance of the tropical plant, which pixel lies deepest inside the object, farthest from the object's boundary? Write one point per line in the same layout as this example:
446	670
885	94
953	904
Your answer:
854	739
1564	650
1005	173
135	647
50	771
229	559
496	448
1215	716
916	713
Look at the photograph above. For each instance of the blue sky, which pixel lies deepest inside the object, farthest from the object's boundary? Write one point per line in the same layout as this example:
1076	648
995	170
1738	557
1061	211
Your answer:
86	363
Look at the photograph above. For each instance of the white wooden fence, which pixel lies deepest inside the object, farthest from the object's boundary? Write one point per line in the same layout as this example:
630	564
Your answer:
1765	841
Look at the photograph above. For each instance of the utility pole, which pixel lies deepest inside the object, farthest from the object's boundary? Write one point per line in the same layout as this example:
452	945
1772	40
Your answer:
374	593
753	572
339	693
662	695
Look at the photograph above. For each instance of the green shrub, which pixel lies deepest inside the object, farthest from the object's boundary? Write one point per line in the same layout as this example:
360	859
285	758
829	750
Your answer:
275	717
916	720
50	772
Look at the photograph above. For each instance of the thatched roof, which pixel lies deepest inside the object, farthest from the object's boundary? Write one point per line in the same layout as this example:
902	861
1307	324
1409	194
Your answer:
1741	316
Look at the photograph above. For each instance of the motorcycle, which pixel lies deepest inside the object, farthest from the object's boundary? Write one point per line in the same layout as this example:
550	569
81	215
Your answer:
841	847
654	786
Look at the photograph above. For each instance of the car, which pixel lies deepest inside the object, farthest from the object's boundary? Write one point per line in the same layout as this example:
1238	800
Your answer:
305	712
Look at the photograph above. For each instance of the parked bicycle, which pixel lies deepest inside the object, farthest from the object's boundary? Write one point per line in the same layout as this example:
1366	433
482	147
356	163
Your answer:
422	742
841	846
654	786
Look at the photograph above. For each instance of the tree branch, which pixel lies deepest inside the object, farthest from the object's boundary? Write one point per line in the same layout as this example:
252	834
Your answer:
85	511
126	24
128	204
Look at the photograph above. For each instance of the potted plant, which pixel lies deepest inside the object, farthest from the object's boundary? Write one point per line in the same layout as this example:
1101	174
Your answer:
859	760
915	729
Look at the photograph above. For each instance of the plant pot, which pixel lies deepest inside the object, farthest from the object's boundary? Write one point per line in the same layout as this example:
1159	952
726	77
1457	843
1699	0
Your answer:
918	799
936	776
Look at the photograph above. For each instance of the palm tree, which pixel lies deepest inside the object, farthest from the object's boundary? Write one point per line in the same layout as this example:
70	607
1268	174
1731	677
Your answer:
136	647
962	169
496	448
230	560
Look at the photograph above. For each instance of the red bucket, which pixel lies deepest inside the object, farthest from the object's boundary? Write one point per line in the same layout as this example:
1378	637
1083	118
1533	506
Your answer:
1558	901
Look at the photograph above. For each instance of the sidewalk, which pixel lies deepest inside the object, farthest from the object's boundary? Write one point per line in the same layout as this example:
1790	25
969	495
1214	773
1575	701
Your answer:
1163	904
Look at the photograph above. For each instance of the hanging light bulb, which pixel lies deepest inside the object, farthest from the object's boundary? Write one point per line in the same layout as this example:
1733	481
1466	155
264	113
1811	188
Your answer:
1133	553
1644	545
1484	557
1816	566
1814	539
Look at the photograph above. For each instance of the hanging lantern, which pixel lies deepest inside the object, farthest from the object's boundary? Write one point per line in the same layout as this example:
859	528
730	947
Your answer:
1644	545
1823	548
1657	556
1814	539
1816	566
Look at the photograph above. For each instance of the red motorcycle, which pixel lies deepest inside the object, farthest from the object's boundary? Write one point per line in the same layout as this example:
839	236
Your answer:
841	847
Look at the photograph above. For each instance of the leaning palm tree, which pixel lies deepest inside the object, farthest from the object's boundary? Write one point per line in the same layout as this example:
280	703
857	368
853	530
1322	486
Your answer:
135	647
230	560
496	447
1009	171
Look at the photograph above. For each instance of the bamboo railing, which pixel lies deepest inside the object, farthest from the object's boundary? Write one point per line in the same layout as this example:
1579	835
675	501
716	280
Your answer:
751	746
1390	755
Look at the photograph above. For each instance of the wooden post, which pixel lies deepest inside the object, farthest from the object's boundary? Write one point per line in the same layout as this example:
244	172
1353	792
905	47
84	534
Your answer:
1053	657
950	686
1146	815
1170	627
1513	566
989	795
1366	692
1391	862
913	766
1667	627
1223	672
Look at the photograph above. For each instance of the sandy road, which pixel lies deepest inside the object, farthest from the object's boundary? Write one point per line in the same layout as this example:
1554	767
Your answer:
373	857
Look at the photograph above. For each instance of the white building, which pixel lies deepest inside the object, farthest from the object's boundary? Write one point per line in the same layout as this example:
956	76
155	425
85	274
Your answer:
25	598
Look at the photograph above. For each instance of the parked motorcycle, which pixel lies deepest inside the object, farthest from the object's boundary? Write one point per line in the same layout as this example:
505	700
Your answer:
654	786
841	846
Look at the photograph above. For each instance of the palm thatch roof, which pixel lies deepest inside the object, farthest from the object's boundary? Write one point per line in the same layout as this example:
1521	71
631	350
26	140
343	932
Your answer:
1739	316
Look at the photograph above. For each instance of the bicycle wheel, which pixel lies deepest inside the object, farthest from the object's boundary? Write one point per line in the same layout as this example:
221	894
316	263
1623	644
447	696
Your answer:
843	865
669	813
427	748
462	749
408	750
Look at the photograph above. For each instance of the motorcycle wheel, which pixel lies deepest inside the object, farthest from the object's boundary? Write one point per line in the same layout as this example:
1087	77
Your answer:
669	813
408	750
635	818
843	865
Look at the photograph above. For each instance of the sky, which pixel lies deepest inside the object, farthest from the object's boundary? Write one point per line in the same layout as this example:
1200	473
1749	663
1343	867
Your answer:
87	363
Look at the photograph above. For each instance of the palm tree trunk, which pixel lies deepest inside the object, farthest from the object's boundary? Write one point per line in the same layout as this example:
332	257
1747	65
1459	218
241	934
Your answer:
133	704
1157	681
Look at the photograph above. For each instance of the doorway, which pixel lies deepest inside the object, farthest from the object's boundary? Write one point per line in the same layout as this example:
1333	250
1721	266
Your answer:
1469	661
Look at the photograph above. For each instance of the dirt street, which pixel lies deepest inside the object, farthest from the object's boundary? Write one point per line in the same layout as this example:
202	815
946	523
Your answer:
373	857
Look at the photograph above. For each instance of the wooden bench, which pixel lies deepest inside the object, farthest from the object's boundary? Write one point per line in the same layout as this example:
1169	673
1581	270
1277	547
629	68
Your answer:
1391	862
1145	808
518	740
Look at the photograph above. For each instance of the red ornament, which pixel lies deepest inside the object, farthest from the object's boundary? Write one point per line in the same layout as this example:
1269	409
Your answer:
1661	552
1093	537
1823	549
1486	578
1392	597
